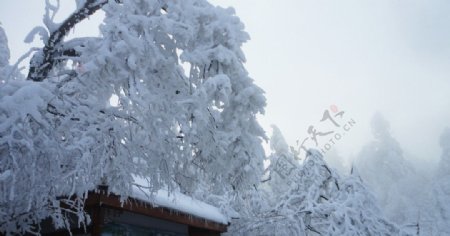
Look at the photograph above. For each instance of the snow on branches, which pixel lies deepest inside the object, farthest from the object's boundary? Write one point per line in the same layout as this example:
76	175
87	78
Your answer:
309	198
161	94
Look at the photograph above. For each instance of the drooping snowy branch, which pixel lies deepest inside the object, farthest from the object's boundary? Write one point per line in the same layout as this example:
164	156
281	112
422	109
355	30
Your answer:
43	62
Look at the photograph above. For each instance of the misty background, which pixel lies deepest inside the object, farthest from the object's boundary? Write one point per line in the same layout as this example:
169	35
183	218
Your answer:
363	57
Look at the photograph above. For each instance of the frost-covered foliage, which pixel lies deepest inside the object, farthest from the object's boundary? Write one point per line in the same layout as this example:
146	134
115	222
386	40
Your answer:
387	172
441	190
412	199
197	127
4	49
37	170
432	199
161	94
309	198
33	163
444	164
5	68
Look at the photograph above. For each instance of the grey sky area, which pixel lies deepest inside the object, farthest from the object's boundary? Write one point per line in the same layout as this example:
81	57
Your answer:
391	56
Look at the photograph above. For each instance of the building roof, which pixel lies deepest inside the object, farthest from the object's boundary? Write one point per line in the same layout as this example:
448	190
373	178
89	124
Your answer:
180	202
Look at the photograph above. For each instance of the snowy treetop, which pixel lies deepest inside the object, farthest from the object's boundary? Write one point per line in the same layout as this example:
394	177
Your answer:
4	49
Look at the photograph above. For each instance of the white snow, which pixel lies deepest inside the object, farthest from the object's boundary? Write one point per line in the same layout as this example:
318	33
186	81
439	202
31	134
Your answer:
4	175
41	31
179	202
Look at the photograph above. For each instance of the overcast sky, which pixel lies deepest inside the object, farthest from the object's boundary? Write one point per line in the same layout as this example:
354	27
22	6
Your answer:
391	56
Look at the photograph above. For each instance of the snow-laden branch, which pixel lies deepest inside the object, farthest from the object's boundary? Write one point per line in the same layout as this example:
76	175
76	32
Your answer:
43	62
127	108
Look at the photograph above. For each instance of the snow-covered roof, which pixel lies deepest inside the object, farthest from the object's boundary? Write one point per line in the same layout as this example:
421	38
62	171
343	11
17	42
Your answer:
179	202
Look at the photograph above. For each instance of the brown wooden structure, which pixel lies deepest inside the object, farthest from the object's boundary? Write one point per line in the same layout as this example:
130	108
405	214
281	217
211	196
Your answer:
110	216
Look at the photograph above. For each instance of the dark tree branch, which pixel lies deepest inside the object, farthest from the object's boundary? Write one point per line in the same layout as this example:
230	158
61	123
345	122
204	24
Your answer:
312	229
323	197
70	53
42	63
52	110
265	180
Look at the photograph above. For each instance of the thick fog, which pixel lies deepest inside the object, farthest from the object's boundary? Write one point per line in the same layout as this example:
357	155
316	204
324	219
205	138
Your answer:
363	57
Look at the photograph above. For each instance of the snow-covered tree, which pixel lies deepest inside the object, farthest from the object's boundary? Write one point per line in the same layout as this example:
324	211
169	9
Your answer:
389	174
309	198
4	49
5	68
161	94
383	157
440	219
280	158
444	163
